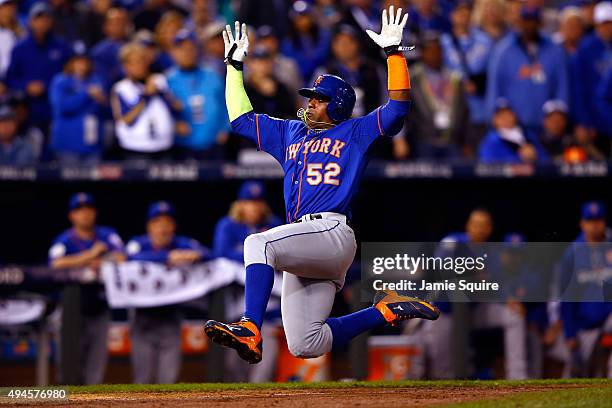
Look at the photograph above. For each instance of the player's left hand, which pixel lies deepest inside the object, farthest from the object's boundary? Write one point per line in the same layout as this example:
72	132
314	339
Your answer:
392	29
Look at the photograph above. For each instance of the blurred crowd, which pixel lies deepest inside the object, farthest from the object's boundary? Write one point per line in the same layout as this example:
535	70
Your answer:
535	338
498	81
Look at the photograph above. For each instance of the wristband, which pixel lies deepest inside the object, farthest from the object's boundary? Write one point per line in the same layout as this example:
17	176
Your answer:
239	65
391	50
399	79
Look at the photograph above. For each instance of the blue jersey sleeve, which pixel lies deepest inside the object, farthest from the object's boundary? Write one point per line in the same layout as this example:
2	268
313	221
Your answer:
14	76
269	134
386	120
190	243
59	248
112	239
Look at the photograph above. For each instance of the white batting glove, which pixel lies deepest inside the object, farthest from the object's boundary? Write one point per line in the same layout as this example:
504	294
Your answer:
236	47
391	33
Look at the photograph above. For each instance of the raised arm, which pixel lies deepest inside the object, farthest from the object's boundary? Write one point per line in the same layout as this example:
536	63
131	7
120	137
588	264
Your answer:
388	119
236	48
390	40
266	132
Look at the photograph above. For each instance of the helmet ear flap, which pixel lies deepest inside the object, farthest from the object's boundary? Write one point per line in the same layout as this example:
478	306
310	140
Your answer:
340	107
334	111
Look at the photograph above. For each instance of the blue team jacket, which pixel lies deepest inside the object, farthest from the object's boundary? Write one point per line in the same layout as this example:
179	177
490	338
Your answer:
93	299
105	56
591	65
77	123
493	149
578	261
527	82
31	61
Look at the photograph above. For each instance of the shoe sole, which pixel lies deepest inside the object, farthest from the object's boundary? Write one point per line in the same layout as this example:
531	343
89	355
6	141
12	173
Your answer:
220	336
432	312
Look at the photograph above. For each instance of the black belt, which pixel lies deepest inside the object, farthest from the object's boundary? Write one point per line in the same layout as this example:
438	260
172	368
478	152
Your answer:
312	217
319	217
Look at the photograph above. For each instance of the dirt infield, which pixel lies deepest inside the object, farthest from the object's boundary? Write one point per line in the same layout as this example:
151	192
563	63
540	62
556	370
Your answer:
328	397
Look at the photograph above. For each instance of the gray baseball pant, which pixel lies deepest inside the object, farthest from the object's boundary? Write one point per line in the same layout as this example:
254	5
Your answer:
314	255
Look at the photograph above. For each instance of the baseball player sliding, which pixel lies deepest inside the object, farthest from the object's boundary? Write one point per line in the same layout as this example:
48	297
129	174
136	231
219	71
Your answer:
323	156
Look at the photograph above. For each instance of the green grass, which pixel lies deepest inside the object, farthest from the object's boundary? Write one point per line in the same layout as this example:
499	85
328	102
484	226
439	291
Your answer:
194	387
591	397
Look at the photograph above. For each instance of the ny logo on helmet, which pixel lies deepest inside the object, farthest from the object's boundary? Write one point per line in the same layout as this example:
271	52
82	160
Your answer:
318	80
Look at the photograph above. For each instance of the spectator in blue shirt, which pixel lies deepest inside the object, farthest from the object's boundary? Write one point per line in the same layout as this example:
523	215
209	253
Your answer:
105	54
508	142
467	50
425	16
527	69
156	331
77	99
85	245
591	64
307	43
249	214
201	93
35	61
14	150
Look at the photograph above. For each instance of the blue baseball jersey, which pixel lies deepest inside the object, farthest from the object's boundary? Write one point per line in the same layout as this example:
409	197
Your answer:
93	299
68	243
230	235
322	168
584	266
141	249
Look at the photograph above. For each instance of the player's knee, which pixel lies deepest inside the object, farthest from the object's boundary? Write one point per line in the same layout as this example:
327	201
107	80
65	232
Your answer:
309	342
301	349
255	250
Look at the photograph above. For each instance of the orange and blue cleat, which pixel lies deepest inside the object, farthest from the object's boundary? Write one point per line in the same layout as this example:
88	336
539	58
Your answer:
242	336
396	308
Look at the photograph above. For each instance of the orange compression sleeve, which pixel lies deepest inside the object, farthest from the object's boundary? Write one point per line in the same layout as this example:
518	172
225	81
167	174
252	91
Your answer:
399	78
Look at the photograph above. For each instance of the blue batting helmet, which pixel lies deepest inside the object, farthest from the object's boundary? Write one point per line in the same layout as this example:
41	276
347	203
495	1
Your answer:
336	91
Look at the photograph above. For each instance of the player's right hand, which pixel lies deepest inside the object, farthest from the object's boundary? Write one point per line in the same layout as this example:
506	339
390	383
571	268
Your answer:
236	46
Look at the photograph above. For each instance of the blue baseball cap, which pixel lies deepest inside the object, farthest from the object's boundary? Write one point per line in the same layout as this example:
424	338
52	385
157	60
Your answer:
300	7
7	112
81	200
252	190
501	104
39	9
266	31
184	35
530	13
593	210
160	208
260	52
555	105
